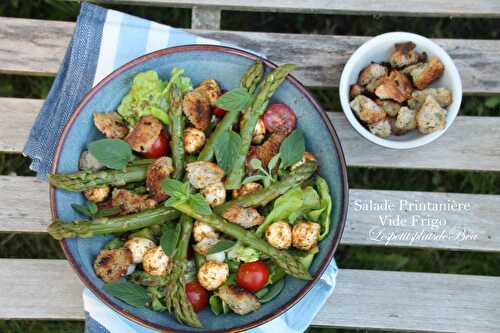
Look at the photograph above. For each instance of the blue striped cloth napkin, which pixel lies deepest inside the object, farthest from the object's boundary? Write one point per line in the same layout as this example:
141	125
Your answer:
103	41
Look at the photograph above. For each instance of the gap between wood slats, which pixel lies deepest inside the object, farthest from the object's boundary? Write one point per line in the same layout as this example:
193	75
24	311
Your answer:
467	229
419	302
479	152
435	8
36	47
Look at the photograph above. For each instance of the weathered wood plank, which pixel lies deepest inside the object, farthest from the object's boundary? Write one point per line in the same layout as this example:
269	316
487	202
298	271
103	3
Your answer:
479	152
420	302
205	18
457	8
37	47
474	227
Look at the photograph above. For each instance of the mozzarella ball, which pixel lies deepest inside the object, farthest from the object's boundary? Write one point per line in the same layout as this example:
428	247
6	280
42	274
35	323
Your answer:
305	235
156	262
246	189
215	194
218	257
139	246
97	194
213	274
307	157
202	231
259	132
194	139
279	235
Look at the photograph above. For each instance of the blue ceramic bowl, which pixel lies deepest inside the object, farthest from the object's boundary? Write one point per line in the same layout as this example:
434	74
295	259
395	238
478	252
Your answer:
226	65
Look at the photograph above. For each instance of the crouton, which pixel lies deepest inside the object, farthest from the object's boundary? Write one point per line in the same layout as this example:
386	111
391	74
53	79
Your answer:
202	173
157	172
144	134
244	217
129	202
371	73
396	87
239	300
381	129
111	124
266	151
423	76
196	107
406	119
431	117
405	55
112	265
356	90
390	107
441	95
366	110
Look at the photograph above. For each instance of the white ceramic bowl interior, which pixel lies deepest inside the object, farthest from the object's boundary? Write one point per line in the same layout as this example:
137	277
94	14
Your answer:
378	50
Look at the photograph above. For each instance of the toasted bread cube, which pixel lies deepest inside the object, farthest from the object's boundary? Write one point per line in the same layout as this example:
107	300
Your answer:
371	73
423	76
381	129
367	110
431	117
441	95
396	87
405	55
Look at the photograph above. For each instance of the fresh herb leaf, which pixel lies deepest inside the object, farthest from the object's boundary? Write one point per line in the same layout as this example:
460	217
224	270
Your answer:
81	209
170	238
215	304
234	100
105	212
199	204
292	149
273	162
220	246
261	293
174	188
113	153
274	291
226	149
256	163
130	293
172	201
254	178
311	199
92	207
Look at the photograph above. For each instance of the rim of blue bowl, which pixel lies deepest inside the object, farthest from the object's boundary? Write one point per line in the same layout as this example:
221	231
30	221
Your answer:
290	78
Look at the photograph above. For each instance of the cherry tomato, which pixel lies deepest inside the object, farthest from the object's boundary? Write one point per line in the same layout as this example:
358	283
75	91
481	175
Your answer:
252	276
279	118
219	113
160	147
197	295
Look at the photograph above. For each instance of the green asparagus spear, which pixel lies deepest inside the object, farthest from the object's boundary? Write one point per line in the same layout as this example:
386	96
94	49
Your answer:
259	104
176	130
84	180
147	280
249	81
109	225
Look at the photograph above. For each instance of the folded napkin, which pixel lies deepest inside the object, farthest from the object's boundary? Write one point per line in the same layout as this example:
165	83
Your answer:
103	41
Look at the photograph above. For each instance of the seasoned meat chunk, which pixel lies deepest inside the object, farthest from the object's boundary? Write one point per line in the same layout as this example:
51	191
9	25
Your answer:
356	90
305	235
144	134
367	110
279	235
157	172
406	119
245	217
110	124
405	55
381	129
239	300
431	117
97	194
129	202
396	87
201	173
112	265
390	107
423	76
266	151
371	73
247	189
196	106
213	274
441	95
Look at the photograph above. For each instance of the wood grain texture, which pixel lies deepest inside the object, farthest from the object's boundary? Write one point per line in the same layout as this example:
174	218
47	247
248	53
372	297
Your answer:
479	152
37	47
456	8
364	227
205	18
420	302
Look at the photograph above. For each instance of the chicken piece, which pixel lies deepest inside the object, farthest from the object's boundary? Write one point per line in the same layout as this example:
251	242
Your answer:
371	73
244	217
247	189
196	106
441	95
130	202
97	194
405	55
423	76
367	110
211	89
111	124
204	245
214	194
381	129
406	119
259	132
203	231
202	173
157	172
305	235
239	300
194	140
307	157
396	87
279	235
356	90
212	274
89	162
431	117
112	265
156	262
138	246
266	151
390	107
144	134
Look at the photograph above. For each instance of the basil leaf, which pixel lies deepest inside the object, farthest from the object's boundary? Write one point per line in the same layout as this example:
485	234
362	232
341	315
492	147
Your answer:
130	293
273	162
92	208
173	187
274	291
81	209
220	246
170	238
255	163
172	201
199	204
215	304
226	149
292	149
261	293
234	100
113	153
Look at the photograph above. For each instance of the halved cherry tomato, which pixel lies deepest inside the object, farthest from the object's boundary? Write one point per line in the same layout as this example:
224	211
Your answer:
218	112
197	295
160	147
252	276
279	118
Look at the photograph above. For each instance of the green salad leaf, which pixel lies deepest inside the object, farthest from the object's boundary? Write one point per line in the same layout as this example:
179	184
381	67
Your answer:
130	293
226	149
220	246
234	100
113	153
292	149
178	78
215	304
170	238
243	253
326	207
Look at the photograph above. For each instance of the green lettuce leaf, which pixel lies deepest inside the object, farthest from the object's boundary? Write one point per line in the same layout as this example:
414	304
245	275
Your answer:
242	253
326	207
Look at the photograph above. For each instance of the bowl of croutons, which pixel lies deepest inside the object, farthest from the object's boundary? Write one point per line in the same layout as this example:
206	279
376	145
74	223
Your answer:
400	90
